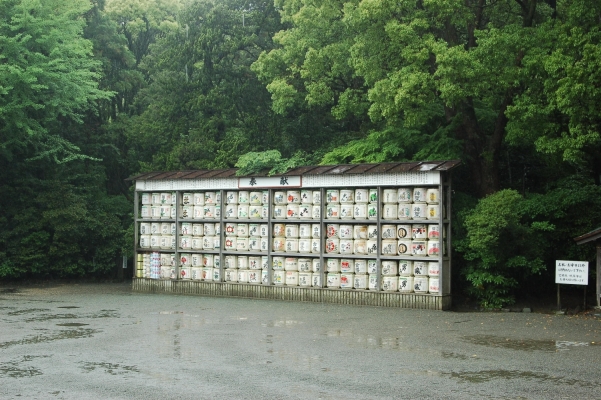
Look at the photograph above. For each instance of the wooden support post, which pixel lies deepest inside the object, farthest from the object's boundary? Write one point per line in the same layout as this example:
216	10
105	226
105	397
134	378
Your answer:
558	298
598	274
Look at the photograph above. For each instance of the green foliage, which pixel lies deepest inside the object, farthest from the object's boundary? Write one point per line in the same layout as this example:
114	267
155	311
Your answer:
269	161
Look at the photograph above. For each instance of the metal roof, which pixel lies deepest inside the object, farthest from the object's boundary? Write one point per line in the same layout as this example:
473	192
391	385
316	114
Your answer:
337	169
588	237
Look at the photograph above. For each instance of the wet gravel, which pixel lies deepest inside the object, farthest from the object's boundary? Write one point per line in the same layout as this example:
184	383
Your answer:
103	341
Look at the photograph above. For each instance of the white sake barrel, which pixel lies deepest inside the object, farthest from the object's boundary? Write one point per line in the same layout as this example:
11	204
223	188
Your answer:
360	266
316	279
332	230
403	231
165	272
418	211
406	284
404	247
389	268
433	269
362	196
434	285
420	268
255	212
185	228
390	283
372	247
197	243
265	212
279	198
146	212
345	232
292	211
419	195
433	211
242	230
390	211
432	196
333	280
145	241
333	211
389	247
264	244
155	212
254	277
346	211
196	273
166	242
405	267
146	228
165	259
332	265
291	278
242	262
231	197
347	196
347	280
265	277
188	212
197	229
265	262
263	230
291	231
217	261
209	211
256	198
315	231
231	262
254	243
360	281
419	248
243	211
188	199
185	259
241	243
304	231
243	197
360	246
373	195
404	211
346	246
146	198
210	198
185	273
243	275
316	212
291	245
316	197
333	245
304	245
372	211
291	264
305	211
404	195
304	279
293	196
230	243
304	265
315	245
279	230
165	211
265	197
359	232
389	196
231	275
421	284
166	198
306	197
198	198
433	231
206	274
372	282
419	231
372	232
315	265
372	266
185	242
173	212
278	263
156	198
360	211
216	274
253	230
209	229
279	212
279	244
231	211
332	196
389	232
208	260
433	248
279	277
347	265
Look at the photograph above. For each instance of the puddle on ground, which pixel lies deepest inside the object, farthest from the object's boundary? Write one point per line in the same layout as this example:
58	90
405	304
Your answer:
167	312
9	290
13	369
72	324
488	375
525	344
68	307
27	311
109	368
44	338
48	317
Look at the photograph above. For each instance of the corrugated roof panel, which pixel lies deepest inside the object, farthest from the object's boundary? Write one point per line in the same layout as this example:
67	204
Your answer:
404	167
308	170
340	169
322	169
447	165
226	173
361	168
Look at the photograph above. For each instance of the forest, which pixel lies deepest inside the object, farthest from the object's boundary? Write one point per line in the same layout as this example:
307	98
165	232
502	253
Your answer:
95	91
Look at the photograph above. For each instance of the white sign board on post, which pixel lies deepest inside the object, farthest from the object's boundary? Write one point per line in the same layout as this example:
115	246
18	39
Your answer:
571	272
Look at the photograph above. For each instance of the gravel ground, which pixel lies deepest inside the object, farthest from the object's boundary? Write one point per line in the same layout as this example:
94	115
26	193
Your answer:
74	341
